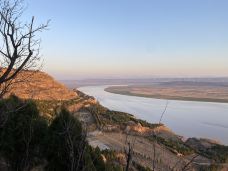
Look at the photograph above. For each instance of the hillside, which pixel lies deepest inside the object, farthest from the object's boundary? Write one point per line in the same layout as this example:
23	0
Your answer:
41	86
112	131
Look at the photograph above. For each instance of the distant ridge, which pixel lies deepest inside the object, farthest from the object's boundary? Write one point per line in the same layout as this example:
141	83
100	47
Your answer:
142	81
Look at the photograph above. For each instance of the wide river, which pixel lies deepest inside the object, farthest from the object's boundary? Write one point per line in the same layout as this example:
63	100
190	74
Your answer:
187	118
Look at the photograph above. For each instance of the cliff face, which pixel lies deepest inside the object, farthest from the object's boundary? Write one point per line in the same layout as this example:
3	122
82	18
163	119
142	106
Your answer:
41	86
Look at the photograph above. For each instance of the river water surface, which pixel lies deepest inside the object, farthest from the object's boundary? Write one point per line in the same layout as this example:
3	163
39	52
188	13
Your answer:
187	118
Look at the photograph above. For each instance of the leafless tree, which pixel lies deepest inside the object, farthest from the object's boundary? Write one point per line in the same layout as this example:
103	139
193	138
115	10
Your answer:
129	151
19	45
186	165
155	136
75	153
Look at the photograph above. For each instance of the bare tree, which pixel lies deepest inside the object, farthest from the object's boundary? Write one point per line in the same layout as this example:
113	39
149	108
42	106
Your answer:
129	151
185	165
155	136
75	154
19	46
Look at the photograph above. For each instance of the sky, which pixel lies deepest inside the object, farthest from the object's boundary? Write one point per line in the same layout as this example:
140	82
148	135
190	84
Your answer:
133	38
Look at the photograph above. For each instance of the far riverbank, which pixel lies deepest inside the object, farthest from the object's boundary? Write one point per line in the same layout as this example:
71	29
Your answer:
200	94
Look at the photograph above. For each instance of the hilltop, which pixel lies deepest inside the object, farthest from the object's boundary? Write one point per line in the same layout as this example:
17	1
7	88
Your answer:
41	86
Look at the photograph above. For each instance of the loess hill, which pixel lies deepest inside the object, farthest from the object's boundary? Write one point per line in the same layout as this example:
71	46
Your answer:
40	86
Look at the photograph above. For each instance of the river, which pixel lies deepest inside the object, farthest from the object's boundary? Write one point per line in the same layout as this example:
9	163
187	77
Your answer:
186	118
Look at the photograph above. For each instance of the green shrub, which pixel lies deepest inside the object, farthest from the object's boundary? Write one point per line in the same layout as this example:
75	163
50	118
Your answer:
66	143
22	134
104	116
174	146
219	153
140	167
27	141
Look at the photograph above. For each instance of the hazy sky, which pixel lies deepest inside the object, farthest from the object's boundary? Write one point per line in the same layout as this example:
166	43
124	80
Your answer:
133	38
